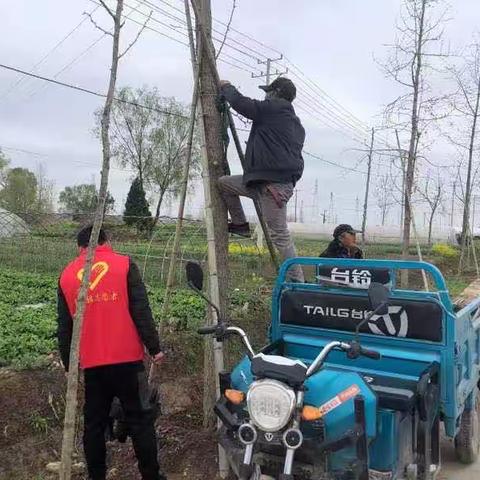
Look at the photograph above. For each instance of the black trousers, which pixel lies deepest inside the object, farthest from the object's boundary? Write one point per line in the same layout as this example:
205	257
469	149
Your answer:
127	382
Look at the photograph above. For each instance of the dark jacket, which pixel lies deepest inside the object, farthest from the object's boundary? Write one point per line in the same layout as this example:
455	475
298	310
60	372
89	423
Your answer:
336	250
139	309
274	148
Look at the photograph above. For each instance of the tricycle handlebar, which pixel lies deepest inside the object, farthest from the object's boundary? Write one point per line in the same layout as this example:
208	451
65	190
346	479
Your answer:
353	350
207	330
221	331
356	350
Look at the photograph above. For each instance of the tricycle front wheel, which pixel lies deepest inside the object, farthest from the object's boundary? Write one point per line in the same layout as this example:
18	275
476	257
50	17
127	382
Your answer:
467	441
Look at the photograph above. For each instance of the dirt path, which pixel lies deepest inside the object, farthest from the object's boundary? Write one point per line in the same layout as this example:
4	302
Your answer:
452	470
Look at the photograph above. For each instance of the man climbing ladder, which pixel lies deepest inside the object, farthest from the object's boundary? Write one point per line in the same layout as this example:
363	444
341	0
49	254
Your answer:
273	163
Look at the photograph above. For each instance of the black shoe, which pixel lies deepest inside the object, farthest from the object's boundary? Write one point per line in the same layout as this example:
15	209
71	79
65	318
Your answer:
241	229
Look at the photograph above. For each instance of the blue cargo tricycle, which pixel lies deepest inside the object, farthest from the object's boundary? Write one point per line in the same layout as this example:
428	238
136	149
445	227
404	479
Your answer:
357	379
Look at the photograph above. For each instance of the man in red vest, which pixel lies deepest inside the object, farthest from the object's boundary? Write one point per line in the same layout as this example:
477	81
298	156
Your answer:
117	324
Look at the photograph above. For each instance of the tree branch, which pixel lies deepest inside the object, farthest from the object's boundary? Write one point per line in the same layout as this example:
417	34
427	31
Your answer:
227	30
106	7
96	25
137	36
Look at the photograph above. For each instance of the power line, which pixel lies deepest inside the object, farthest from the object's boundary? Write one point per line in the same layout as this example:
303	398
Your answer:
71	63
337	118
79	162
52	50
314	87
90	92
183	23
84	52
338	165
305	106
334	110
348	117
329	114
325	104
181	42
231	28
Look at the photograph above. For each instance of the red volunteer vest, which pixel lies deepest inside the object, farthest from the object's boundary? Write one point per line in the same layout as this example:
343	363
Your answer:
109	335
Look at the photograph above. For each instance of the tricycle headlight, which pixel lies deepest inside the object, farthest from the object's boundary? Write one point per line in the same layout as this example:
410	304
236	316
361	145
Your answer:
270	404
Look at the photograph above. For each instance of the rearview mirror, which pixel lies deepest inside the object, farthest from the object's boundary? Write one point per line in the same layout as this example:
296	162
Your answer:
378	296
194	274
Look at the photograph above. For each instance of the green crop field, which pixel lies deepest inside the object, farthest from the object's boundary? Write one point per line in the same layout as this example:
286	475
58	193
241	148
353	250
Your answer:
30	267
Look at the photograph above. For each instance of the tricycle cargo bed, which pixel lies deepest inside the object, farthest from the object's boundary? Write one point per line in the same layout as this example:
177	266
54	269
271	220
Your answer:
420	329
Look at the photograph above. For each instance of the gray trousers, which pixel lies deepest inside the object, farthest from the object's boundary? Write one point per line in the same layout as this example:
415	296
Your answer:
232	187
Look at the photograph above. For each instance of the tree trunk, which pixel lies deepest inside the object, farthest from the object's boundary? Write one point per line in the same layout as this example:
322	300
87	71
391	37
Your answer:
410	172
72	385
468	186
213	164
430	225
157	210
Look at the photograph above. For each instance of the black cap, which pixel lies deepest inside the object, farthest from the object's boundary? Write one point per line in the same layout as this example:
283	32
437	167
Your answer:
284	86
344	228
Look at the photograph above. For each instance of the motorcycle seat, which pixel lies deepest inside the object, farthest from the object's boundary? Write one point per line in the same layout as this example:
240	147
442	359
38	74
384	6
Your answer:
287	370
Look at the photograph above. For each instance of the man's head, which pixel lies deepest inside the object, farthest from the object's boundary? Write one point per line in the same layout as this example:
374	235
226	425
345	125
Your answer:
346	235
280	88
83	236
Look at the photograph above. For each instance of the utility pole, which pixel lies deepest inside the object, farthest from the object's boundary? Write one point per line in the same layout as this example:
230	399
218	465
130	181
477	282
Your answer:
268	72
331	218
324	220
367	186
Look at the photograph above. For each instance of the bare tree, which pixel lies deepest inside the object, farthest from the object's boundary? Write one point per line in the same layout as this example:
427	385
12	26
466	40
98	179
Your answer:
467	107
72	385
165	172
133	127
432	194
45	190
417	45
383	195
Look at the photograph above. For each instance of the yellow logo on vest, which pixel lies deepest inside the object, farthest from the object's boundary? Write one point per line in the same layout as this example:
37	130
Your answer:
99	270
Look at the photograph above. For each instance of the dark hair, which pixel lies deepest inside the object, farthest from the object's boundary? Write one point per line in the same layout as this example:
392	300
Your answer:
83	237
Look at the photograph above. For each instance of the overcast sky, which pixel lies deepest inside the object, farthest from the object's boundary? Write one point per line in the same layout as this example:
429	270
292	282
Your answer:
333	42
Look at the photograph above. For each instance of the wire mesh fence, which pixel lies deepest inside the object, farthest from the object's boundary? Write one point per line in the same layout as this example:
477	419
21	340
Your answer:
45	243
